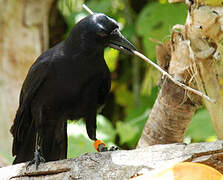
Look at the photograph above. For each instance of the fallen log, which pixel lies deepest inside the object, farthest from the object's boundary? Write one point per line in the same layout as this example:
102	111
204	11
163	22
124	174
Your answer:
123	164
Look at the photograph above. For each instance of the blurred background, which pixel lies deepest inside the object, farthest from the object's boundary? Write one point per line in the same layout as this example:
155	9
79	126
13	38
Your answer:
135	84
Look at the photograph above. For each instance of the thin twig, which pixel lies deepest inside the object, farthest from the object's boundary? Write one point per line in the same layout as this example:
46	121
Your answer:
87	9
162	71
172	78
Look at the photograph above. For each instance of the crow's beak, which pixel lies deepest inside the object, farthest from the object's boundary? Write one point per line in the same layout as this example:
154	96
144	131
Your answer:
119	42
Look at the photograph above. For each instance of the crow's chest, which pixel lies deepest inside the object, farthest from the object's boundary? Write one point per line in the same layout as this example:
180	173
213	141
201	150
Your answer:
78	71
68	81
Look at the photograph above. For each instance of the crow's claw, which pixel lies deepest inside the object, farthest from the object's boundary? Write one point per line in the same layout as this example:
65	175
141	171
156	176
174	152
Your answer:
103	148
114	148
38	158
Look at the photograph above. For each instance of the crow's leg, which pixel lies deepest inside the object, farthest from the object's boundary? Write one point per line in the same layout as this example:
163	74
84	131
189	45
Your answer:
91	114
38	158
90	119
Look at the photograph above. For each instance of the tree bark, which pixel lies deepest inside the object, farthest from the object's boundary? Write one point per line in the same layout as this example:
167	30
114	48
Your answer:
120	164
205	31
195	58
169	117
23	36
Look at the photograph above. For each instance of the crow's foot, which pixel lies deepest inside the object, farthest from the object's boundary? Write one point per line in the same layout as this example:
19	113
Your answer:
38	158
103	148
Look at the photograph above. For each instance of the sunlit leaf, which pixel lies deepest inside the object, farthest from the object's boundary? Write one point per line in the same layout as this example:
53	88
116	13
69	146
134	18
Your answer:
211	138
111	56
162	1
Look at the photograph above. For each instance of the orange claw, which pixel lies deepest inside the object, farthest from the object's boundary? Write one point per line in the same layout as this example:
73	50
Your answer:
97	143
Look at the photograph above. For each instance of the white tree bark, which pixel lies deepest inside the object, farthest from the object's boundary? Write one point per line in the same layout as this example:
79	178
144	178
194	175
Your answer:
204	29
120	164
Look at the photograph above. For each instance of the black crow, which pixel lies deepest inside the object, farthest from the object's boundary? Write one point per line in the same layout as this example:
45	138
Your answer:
68	81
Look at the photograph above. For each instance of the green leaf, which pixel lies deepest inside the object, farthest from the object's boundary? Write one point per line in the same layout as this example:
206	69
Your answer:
128	31
130	130
125	131
79	144
123	96
201	127
100	6
156	21
111	57
105	130
137	111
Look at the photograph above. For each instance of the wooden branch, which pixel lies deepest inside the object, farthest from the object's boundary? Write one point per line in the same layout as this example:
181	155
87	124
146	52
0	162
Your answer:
87	9
164	73
120	164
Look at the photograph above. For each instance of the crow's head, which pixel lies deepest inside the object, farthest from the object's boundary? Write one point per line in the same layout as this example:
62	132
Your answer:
100	30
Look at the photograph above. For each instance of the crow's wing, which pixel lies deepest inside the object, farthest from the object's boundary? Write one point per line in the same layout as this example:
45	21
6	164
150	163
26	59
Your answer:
34	79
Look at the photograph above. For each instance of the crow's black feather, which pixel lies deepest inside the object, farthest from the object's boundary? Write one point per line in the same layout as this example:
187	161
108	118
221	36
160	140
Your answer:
68	81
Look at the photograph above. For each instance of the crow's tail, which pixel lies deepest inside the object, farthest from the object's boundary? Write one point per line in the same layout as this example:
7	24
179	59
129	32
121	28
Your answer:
24	133
53	139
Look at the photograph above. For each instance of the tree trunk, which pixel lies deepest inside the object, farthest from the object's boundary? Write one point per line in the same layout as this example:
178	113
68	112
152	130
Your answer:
169	117
196	59
204	29
23	36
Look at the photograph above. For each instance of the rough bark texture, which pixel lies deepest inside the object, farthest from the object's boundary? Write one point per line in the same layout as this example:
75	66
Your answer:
120	164
169	117
205	31
193	56
23	36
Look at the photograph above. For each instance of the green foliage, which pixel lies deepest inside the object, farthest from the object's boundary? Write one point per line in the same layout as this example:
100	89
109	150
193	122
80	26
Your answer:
201	128
135	119
111	57
156	21
123	96
77	145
